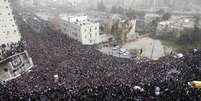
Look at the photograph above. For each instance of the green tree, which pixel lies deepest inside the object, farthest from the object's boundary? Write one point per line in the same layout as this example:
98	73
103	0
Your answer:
114	9
166	16
153	26
117	31
131	13
102	28
140	14
101	6
120	10
160	12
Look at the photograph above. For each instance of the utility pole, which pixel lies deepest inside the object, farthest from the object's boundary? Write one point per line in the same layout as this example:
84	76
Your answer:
152	51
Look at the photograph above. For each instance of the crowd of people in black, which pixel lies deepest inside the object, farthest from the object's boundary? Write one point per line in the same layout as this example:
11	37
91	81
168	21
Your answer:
9	49
65	70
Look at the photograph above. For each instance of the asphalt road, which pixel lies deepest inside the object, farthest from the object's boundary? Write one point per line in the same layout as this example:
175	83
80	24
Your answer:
152	49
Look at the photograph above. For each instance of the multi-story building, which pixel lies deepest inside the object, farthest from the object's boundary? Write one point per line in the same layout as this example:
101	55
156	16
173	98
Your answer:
8	28
14	60
175	24
81	28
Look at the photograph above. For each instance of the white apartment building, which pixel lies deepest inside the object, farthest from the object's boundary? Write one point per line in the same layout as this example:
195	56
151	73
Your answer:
81	28
14	60
8	30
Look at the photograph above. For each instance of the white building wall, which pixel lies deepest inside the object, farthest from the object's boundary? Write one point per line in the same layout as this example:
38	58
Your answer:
72	30
87	33
8	30
90	34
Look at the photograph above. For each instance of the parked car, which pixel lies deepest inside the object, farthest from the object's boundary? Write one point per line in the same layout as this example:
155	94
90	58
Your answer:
116	48
121	50
125	54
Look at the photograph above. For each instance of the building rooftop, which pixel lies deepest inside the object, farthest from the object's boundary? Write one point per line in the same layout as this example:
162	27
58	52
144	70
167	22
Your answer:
78	20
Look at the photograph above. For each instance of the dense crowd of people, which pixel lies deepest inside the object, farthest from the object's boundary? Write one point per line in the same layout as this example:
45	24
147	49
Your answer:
65	70
7	50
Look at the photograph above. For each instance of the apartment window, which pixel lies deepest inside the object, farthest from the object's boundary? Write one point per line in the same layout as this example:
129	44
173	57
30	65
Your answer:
8	32
6	6
16	62
8	13
90	41
5	0
5	69
90	35
101	33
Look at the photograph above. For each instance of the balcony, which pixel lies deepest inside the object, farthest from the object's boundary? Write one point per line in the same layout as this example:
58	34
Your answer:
15	65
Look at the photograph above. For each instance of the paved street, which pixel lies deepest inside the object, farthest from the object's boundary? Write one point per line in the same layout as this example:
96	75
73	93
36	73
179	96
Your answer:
151	48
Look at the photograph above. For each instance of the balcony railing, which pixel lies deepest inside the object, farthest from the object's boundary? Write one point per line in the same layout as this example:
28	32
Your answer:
15	65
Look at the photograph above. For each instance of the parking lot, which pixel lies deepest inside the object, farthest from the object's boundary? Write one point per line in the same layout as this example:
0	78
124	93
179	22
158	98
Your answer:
117	52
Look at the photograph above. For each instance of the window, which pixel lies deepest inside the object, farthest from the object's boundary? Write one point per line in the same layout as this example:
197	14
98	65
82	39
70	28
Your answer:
90	35
90	41
101	33
16	62
75	34
6	69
